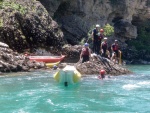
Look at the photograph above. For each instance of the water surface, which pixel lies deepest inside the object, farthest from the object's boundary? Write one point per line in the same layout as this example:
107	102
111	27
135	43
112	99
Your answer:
38	92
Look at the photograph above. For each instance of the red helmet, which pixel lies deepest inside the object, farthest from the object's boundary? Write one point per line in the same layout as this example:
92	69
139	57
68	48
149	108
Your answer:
101	30
102	72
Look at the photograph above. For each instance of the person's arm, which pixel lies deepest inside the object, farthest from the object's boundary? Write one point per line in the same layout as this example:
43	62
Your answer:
108	53
101	47
112	47
81	55
90	56
89	52
93	35
112	57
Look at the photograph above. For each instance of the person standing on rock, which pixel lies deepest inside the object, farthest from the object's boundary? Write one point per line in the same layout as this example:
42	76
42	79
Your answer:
104	48
115	49
85	53
95	37
100	38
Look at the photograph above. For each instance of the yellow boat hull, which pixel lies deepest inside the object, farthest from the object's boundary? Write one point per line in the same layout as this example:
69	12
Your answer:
52	64
68	75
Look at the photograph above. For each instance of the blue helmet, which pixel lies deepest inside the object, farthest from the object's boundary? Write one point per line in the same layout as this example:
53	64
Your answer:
86	44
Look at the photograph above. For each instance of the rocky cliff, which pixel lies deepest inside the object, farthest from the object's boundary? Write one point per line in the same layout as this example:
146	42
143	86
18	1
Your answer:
77	17
29	23
26	24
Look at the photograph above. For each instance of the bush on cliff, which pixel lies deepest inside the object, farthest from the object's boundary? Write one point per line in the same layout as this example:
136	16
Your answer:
108	30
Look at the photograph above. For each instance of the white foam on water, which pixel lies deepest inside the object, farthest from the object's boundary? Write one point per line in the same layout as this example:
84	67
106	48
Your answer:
144	83
20	111
130	86
50	102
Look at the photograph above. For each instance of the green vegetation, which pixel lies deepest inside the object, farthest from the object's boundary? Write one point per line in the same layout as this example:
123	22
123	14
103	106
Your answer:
108	30
13	5
143	40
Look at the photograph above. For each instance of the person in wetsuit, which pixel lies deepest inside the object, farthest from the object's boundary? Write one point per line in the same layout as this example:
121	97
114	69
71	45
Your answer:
95	36
104	48
85	53
115	49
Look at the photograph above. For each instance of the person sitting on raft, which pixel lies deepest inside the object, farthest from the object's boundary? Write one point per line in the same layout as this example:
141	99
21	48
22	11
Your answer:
85	53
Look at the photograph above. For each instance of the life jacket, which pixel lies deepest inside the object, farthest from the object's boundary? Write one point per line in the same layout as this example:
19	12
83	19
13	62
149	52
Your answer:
115	47
104	45
101	37
85	51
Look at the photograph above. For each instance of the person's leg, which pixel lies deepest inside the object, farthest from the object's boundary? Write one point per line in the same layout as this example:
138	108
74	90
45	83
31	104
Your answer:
85	58
113	58
94	46
102	53
117	56
104	50
98	47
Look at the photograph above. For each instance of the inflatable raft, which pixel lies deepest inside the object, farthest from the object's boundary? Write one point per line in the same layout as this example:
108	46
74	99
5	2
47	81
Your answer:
52	64
68	75
47	59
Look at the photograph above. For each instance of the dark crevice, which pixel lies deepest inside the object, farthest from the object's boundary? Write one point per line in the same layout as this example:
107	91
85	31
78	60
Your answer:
117	18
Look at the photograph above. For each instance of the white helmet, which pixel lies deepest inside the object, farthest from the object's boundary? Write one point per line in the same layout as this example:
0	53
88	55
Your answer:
105	38
97	25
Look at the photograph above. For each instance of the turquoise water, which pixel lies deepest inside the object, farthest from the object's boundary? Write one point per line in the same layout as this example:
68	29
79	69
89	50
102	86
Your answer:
37	92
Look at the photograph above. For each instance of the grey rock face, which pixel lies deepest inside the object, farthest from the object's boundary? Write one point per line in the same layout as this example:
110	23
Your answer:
27	24
76	17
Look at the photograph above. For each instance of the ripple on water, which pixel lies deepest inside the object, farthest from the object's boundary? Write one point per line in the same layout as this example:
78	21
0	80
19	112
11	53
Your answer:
130	86
38	92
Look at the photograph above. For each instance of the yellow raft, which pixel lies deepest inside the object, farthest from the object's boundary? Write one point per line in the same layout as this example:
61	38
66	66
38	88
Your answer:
52	64
68	75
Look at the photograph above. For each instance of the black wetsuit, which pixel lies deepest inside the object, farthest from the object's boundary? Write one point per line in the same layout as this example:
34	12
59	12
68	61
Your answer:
104	47
96	43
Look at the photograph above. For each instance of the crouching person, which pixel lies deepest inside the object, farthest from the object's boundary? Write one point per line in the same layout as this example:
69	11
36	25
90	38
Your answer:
85	53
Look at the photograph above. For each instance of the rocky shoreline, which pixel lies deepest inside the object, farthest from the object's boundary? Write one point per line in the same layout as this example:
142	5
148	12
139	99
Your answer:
14	62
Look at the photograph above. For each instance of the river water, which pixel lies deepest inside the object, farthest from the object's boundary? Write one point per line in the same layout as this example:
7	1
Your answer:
38	92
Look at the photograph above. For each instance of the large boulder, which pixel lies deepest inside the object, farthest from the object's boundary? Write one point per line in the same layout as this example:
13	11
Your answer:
72	52
27	24
96	64
125	29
